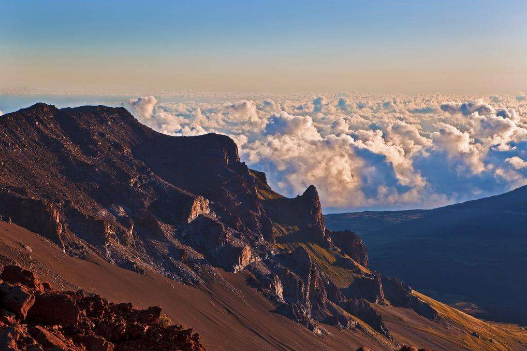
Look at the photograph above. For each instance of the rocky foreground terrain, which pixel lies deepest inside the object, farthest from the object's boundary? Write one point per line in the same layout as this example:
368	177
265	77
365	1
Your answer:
34	316
102	189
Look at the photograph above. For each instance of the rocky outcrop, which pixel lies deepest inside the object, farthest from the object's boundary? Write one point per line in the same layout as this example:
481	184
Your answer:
367	286
363	310
219	243
197	206
351	245
37	215
77	321
399	294
303	213
309	203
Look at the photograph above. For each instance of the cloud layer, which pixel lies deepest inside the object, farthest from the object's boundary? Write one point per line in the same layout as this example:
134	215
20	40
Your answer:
365	151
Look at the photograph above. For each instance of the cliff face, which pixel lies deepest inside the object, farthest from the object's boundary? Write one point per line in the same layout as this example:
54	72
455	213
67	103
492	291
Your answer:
94	180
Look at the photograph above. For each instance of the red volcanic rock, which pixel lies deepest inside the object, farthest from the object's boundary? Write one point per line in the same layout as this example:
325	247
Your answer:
75	321
14	274
54	308
149	316
94	343
51	339
9	336
412	348
16	299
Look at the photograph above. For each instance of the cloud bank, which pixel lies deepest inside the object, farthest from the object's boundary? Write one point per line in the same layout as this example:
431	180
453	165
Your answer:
364	151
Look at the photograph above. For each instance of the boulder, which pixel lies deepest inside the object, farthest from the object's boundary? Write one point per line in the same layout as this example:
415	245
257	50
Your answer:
54	308
17	299
14	274
52	340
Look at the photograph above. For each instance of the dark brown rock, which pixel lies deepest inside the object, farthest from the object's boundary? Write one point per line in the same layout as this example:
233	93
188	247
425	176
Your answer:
14	274
17	299
351	245
94	343
54	308
51	340
76	321
399	294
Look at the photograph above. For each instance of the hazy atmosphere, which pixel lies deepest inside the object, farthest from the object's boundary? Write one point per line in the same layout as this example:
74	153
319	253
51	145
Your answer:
411	46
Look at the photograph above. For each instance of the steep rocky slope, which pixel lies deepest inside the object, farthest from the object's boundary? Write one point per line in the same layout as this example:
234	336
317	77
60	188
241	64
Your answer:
97	183
238	316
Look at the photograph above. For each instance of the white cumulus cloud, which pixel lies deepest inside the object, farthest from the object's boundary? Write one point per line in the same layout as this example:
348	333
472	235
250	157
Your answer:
365	151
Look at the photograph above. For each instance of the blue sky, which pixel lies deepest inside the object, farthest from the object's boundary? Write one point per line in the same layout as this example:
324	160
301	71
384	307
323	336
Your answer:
279	46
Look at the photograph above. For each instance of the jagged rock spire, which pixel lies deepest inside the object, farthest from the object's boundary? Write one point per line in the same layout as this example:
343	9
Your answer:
310	203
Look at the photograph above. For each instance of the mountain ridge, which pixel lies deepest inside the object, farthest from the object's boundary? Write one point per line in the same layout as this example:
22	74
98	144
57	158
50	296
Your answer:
96	182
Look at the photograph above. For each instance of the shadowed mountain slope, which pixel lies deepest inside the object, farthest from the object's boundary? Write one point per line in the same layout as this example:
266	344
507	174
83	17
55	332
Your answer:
465	254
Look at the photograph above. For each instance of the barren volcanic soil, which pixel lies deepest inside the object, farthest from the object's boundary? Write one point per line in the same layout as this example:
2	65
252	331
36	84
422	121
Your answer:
229	320
225	320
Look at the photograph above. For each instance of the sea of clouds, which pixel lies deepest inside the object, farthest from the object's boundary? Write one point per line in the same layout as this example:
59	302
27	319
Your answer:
366	151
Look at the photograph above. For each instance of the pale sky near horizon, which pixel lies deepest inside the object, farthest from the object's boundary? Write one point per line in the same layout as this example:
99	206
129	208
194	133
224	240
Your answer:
382	46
